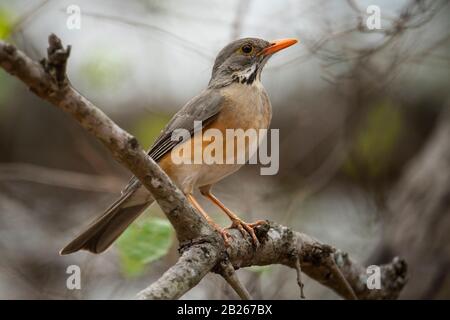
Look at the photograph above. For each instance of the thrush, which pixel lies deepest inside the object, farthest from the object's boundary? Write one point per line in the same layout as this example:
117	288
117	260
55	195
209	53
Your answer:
234	99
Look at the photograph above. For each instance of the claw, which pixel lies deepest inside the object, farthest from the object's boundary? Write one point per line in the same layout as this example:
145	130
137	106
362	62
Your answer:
237	224
225	234
257	223
243	227
247	228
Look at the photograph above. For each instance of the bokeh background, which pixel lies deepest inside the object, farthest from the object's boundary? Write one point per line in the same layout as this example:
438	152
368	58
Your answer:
364	125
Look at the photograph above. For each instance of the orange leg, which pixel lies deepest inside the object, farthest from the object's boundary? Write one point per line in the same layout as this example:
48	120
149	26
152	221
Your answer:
236	221
224	233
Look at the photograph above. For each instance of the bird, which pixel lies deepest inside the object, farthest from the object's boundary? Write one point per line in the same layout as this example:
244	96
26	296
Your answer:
234	99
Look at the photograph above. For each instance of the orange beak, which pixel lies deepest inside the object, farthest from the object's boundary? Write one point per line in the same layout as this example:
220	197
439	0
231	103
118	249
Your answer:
278	45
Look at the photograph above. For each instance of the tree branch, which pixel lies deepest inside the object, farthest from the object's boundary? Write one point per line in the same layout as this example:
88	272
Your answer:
229	274
192	266
47	80
202	250
281	245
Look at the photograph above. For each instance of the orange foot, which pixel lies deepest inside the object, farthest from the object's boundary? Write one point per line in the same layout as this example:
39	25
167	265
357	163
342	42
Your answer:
245	228
225	234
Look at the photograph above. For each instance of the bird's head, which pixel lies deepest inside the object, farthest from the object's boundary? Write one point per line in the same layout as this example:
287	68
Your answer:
243	60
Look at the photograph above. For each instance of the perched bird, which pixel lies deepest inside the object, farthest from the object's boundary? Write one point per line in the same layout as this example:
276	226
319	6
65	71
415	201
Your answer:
234	99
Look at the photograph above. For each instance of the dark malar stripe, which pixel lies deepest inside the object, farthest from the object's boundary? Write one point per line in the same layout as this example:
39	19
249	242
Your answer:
252	77
248	80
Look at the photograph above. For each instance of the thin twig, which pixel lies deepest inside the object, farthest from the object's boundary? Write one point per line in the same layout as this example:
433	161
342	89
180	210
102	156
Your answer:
338	273
229	274
298	268
59	178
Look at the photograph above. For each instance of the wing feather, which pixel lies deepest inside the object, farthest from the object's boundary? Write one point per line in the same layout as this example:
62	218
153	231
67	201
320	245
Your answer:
204	107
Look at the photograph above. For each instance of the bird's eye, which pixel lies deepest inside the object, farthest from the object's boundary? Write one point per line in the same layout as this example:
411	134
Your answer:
247	48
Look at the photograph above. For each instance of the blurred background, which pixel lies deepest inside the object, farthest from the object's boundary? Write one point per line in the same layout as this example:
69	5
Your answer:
364	119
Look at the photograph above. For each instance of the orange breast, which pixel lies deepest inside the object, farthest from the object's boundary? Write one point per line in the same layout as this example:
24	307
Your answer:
244	108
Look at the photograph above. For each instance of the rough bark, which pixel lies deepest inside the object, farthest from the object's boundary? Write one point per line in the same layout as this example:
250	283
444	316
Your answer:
281	245
202	250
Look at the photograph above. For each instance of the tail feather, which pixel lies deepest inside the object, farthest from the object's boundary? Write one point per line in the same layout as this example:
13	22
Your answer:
103	231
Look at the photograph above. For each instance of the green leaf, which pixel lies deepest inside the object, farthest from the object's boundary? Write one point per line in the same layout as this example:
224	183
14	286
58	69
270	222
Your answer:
6	23
104	69
148	128
375	144
260	269
144	242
